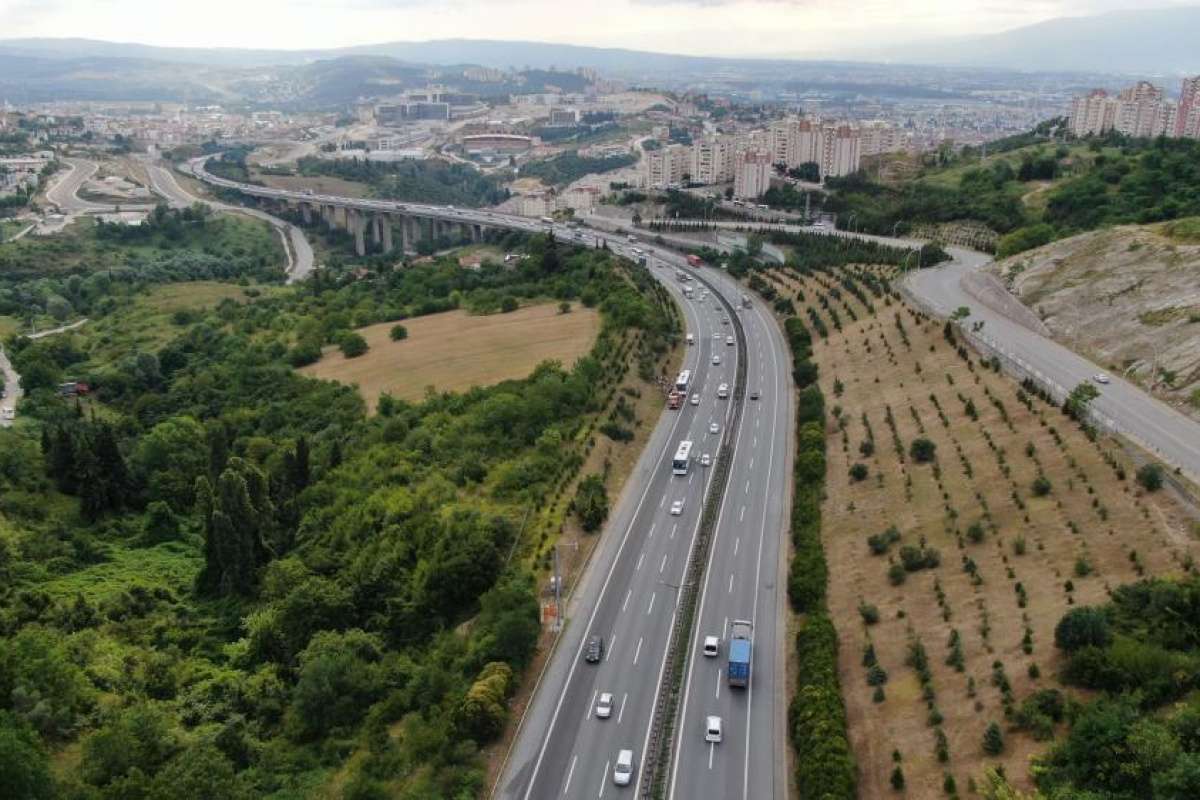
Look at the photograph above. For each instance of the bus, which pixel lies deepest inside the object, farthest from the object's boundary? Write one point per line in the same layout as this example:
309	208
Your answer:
685	378
683	456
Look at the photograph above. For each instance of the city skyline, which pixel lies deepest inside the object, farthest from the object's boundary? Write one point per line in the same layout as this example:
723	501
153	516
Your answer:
733	28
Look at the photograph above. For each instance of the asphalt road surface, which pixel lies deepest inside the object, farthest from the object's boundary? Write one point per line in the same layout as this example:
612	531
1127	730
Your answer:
12	389
64	193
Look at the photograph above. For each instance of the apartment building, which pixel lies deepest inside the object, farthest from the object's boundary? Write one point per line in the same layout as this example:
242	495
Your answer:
752	174
712	160
841	150
665	167
1140	110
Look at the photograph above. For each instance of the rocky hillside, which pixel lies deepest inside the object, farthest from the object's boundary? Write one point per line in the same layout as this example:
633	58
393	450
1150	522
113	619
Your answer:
1125	297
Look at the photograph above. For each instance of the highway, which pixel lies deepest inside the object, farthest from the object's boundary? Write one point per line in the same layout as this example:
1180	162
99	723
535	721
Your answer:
628	593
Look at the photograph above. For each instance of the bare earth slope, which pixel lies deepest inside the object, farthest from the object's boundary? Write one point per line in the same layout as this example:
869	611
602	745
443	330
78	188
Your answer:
1125	297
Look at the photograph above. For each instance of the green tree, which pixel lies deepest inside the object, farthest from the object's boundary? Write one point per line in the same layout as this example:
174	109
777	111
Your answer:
922	450
170	458
352	345
398	333
1076	404
200	772
24	766
135	738
591	502
993	740
1150	477
1082	626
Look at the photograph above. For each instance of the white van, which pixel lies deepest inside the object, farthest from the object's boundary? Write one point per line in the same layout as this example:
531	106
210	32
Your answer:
623	771
723	391
691	338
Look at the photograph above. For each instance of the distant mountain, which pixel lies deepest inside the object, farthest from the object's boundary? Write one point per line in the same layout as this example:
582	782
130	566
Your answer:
1157	41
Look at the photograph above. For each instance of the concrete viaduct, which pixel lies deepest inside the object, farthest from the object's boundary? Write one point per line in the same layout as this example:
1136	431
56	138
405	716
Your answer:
376	225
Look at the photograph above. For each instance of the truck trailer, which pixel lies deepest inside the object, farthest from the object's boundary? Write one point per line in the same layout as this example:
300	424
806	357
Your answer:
740	647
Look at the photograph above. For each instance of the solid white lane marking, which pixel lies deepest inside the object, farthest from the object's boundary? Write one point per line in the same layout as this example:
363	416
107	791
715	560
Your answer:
570	772
638	652
712	746
736	542
692	475
652	596
628	594
639	563
661	501
731	583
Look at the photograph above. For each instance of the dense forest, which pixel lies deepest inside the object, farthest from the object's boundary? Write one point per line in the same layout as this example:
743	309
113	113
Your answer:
428	181
1083	185
225	580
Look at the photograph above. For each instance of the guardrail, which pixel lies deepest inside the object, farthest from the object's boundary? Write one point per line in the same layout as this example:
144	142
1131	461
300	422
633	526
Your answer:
659	750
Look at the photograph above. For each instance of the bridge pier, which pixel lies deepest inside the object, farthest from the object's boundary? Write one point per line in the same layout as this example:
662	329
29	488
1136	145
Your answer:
357	226
306	212
386	224
376	232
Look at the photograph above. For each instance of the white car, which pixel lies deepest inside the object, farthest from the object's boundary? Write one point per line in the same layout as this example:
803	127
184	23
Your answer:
705	460
716	361
729	340
695	399
712	730
1100	378
623	771
8	413
712	646
676	508
714	427
723	391
604	705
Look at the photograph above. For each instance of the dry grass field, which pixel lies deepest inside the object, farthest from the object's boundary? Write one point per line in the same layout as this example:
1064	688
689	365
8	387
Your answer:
455	351
319	184
1009	562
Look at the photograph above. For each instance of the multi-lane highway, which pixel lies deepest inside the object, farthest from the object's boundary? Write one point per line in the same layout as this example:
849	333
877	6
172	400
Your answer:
629	592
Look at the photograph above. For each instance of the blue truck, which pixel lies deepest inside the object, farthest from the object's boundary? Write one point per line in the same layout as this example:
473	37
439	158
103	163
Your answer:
740	648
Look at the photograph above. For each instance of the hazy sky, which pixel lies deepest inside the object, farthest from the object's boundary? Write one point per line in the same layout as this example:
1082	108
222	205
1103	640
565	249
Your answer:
726	27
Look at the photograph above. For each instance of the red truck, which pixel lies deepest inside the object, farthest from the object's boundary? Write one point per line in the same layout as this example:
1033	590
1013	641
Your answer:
675	400
694	261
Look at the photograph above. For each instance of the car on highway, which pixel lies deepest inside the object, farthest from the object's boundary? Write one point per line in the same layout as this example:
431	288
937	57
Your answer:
712	646
724	320
1100	378
695	399
716	360
604	705
754	394
706	460
723	391
729	340
712	729
595	650
691	338
714	427
676	508
623	769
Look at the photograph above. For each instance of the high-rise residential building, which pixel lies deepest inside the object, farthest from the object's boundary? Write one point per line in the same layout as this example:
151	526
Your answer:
1140	110
840	150
665	167
878	137
1093	114
752	174
712	160
1189	99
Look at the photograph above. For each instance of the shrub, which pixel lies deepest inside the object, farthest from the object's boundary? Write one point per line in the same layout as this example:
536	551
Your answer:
858	472
1082	626
975	532
1150	477
1041	486
867	448
993	740
398	333
869	612
591	502
922	450
352	345
881	542
508	304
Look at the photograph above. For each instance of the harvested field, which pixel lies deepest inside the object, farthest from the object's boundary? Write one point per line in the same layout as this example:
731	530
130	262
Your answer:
982	565
455	351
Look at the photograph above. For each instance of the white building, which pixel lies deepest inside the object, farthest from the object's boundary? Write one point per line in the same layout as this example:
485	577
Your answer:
712	160
666	167
841	150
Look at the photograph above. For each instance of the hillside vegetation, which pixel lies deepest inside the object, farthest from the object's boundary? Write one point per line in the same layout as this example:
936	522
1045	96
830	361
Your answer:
221	579
1127	297
1034	190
